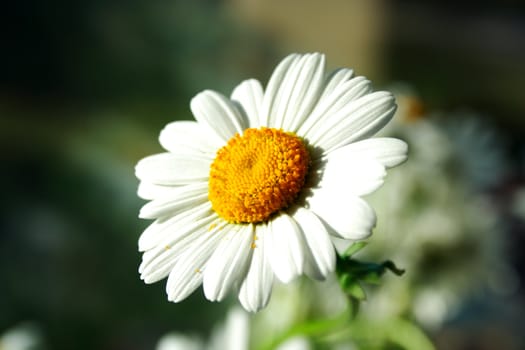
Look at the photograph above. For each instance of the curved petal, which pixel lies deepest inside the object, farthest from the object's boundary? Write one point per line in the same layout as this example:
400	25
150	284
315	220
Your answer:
158	262
389	152
190	137
176	241
349	176
159	230
156	268
359	119
299	92
270	99
180	200
187	274
256	288
332	103
335	79
249	94
322	260
218	114
147	190
173	169
287	252
228	263
346	217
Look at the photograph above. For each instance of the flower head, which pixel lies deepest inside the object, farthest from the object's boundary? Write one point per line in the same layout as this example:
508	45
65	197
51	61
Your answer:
260	184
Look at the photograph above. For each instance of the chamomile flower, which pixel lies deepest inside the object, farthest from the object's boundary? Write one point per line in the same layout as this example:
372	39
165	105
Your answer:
260	183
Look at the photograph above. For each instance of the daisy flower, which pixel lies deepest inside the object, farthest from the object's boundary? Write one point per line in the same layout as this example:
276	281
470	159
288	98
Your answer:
260	185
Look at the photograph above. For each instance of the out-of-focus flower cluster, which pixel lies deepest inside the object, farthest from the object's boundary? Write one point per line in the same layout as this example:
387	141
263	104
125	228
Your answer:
25	336
437	220
235	333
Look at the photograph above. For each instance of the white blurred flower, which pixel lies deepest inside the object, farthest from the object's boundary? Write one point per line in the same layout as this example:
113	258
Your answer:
175	341
433	225
234	334
21	337
478	150
298	302
295	343
262	181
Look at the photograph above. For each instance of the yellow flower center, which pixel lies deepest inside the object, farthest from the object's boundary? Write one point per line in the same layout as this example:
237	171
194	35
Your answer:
257	174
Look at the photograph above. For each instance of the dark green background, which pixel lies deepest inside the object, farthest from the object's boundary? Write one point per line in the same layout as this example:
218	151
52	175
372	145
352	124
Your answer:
85	88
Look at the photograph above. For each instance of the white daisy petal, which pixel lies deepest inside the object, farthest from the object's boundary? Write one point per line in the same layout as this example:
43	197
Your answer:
249	94
153	269
180	199
228	263
332	103
190	137
176	239
218	114
389	152
359	119
300	91
318	241
147	190
156	272
282	98
187	274
287	248
335	79
350	175
346	217
270	99
158	230
256	288
158	262
173	169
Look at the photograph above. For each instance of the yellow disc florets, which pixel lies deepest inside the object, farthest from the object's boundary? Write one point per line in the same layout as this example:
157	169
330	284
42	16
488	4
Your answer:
257	174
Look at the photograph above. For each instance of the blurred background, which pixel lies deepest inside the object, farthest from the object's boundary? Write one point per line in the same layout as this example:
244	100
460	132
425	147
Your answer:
86	87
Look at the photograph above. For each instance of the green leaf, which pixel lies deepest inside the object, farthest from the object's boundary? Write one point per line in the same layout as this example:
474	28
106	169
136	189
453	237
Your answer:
344	280
352	273
408	335
354	248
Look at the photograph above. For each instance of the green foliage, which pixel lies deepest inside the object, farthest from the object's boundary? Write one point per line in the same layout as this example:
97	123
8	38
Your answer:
352	273
350	328
393	333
